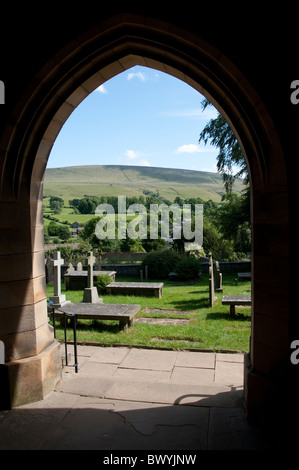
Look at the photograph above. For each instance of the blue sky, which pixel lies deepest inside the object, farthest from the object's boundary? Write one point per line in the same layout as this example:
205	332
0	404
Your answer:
139	117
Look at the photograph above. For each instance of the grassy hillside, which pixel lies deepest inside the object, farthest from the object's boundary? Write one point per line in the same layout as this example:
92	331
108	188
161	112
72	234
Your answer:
117	180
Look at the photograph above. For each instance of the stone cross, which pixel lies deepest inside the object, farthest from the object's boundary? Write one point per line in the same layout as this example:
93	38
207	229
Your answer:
57	262
90	262
58	299
90	292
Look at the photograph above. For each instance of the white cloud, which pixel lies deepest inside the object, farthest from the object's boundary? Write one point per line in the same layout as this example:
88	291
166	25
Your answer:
102	89
139	75
132	157
192	148
131	154
188	148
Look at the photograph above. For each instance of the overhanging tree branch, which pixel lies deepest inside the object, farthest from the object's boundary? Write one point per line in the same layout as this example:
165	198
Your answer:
230	160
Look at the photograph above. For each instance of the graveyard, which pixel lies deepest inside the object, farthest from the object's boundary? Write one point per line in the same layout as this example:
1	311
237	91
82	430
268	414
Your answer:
185	316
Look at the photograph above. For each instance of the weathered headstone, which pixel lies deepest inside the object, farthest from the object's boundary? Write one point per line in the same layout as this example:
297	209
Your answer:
79	266
218	278
49	269
90	292
212	297
58	299
211	286
70	268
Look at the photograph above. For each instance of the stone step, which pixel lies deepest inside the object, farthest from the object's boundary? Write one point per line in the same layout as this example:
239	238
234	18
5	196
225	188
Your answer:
152	392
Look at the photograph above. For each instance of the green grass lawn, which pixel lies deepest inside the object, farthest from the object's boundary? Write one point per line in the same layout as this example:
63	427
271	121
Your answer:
208	328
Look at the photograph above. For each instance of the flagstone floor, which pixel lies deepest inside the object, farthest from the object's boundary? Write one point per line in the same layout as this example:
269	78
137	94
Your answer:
130	399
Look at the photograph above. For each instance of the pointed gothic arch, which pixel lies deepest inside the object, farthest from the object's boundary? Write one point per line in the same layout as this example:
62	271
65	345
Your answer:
86	62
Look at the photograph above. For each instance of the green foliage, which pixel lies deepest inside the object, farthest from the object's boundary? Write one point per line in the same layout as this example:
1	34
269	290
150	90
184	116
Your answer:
88	205
101	282
160	263
153	245
53	228
64	232
213	241
188	268
230	155
134	245
74	255
56	204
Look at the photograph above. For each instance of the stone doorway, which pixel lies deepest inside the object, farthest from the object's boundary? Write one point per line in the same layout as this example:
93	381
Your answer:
52	93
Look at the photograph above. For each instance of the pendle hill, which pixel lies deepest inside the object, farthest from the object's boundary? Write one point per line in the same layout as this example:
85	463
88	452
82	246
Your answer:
119	180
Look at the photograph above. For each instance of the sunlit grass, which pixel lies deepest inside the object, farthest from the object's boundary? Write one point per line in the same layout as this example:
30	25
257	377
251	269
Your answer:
208	328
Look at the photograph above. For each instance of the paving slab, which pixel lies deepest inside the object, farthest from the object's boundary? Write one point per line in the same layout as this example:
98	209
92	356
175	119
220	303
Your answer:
106	406
81	384
230	357
150	359
141	375
162	321
28	427
82	350
110	355
100	425
195	376
98	368
172	393
230	373
195	359
229	430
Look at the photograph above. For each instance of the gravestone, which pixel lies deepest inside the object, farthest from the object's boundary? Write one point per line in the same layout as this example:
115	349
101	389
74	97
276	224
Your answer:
218	278
49	269
79	266
58	299
212	297
90	292
70	268
211	287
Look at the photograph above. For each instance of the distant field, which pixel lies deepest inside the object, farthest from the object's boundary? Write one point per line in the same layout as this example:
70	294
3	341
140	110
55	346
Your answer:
76	182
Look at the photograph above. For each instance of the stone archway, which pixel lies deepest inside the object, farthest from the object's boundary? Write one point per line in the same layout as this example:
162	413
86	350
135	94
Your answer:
32	355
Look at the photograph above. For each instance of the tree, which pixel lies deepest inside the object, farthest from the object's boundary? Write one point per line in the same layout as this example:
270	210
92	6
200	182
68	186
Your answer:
56	204
134	245
230	154
53	228
232	219
86	206
64	232
213	241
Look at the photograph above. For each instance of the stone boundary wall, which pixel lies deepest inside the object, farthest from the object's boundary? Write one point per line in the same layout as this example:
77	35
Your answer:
224	266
